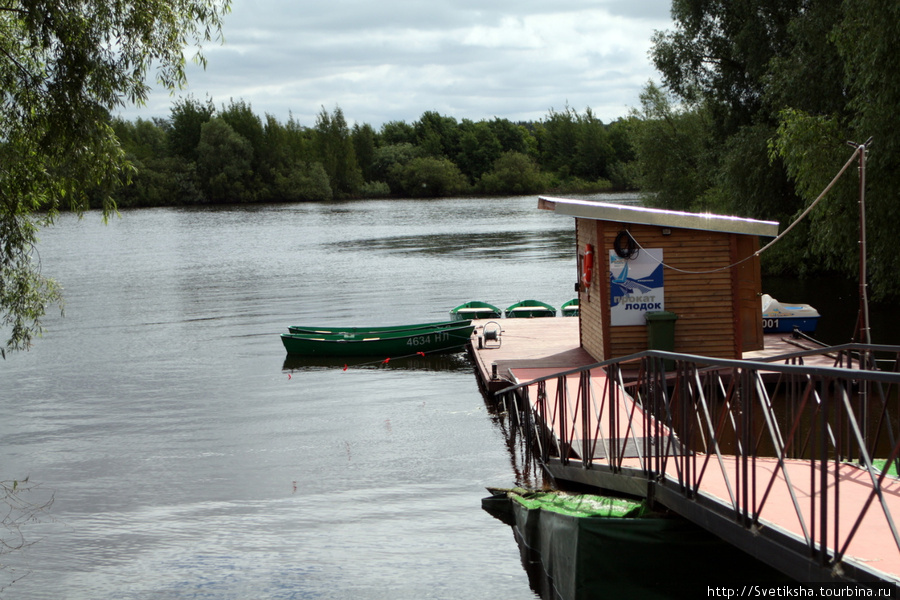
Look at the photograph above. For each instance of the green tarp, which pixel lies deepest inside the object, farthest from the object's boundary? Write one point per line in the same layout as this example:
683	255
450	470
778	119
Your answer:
580	505
879	463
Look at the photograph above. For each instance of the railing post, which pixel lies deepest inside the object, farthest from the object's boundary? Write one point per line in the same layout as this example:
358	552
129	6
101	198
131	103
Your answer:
562	402
651	425
587	453
651	405
687	423
823	477
526	420
544	434
746	418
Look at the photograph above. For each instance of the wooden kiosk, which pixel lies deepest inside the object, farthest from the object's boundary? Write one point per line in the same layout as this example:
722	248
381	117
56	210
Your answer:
642	270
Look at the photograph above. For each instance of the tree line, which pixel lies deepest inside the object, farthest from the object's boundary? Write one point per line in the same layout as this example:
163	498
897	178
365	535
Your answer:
202	154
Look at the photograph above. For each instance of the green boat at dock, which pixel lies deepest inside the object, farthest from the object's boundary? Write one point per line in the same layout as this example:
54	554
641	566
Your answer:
389	344
529	309
580	546
476	310
572	308
375	330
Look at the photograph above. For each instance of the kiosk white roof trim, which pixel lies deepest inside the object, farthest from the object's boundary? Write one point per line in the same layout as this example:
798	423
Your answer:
626	213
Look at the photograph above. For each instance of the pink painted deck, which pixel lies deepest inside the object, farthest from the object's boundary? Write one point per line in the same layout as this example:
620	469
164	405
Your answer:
549	343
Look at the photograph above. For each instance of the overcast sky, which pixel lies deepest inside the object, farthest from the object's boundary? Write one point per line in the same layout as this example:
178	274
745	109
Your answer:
392	60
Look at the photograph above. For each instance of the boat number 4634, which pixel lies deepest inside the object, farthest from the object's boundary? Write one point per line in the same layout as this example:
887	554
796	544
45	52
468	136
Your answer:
423	340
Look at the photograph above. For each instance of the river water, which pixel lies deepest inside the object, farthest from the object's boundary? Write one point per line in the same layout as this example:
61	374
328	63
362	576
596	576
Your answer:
186	458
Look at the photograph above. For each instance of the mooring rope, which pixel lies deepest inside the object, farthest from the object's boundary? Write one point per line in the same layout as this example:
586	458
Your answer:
778	238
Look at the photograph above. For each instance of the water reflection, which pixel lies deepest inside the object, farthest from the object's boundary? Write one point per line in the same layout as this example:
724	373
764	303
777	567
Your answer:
453	362
498	245
523	460
659	556
160	414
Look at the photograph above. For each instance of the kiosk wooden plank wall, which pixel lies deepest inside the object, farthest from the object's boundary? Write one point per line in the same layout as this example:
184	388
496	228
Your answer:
714	295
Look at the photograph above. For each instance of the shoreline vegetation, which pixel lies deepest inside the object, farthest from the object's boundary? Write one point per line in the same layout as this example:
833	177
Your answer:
204	155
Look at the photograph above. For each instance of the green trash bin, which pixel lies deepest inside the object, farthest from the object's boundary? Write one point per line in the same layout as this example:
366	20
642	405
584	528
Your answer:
661	333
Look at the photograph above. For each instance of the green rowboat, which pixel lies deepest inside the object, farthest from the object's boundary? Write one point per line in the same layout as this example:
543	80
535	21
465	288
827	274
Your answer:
530	308
475	310
571	308
376	330
391	344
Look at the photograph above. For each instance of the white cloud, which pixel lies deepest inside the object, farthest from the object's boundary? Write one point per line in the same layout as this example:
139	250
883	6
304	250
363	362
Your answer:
396	59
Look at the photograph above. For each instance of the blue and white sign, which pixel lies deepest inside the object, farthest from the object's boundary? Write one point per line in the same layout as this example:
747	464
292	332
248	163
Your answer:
636	286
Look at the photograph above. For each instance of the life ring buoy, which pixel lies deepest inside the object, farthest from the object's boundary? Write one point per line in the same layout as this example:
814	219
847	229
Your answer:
587	266
625	246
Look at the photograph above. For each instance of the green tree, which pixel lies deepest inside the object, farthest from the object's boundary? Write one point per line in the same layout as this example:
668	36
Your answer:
142	139
811	141
811	57
812	148
429	176
512	137
720	52
397	132
303	181
513	173
336	153
479	147
63	67
672	148
224	163
389	163
720	57
187	118
593	150
558	139
240	117
299	140
272	158
364	146
623	168
159	179
436	135
800	78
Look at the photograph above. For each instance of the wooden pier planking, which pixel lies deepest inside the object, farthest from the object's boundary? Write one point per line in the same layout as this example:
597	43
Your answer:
550	343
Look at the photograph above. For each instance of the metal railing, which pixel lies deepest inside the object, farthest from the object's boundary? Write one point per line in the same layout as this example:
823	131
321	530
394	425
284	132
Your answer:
706	419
